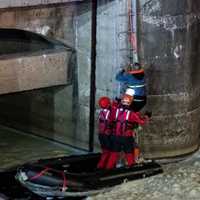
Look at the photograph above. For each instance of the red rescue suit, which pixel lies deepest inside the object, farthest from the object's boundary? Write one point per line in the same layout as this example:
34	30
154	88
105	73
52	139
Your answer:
123	136
105	130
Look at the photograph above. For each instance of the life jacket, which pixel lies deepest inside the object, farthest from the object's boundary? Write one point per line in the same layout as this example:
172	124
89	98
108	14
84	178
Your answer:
138	84
124	127
134	81
104	121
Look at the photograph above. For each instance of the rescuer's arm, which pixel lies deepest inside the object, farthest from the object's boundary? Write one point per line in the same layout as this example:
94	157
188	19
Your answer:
122	76
136	117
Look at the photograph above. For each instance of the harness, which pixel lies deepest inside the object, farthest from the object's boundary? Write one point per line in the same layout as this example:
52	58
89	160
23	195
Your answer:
103	120
122	121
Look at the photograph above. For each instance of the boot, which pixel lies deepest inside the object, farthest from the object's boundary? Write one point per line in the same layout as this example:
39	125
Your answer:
112	161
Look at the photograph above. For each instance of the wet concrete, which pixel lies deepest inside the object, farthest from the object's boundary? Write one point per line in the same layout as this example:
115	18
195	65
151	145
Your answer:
180	181
17	148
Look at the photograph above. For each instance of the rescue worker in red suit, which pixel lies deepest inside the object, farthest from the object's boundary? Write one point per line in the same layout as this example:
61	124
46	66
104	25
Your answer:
123	134
105	130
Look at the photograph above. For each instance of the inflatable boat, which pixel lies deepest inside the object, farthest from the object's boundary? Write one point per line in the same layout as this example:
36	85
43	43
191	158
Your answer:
77	176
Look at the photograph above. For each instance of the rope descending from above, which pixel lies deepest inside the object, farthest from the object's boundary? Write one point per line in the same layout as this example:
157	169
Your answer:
132	30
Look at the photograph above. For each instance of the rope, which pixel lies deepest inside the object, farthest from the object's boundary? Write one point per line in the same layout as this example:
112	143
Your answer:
40	173
64	186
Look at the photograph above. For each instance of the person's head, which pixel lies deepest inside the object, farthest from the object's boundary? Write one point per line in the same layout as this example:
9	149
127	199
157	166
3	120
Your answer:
136	70
128	97
130	67
104	102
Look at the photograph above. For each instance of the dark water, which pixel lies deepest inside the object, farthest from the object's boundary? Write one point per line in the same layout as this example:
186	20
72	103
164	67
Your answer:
10	189
16	41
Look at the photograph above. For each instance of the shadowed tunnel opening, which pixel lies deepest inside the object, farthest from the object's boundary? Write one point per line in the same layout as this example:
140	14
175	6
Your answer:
18	41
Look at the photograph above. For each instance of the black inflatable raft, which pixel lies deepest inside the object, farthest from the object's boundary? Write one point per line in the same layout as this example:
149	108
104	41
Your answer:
75	176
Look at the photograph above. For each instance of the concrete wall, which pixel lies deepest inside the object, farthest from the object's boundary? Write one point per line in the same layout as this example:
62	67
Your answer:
169	41
169	48
60	113
25	3
112	46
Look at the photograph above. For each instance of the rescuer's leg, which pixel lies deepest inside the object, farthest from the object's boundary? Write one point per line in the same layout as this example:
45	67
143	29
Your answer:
130	159
112	161
103	159
128	147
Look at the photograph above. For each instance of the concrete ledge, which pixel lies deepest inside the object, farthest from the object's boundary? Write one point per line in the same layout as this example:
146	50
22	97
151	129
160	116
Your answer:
33	72
26	3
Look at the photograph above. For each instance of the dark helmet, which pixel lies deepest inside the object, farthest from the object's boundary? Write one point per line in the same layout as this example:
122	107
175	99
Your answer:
136	69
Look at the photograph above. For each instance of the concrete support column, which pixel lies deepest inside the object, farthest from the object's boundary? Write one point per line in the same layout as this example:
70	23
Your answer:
169	49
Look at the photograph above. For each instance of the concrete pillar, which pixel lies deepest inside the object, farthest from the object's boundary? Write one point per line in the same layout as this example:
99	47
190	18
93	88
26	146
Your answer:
169	48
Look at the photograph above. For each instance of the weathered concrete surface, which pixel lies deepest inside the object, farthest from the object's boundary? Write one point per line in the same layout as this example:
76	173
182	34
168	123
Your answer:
61	112
83	71
112	47
169	49
18	148
33	72
25	3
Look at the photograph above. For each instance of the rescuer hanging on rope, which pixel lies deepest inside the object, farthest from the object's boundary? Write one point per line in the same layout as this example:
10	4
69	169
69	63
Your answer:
133	77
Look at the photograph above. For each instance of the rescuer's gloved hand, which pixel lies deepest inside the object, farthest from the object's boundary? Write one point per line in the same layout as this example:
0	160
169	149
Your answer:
148	113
